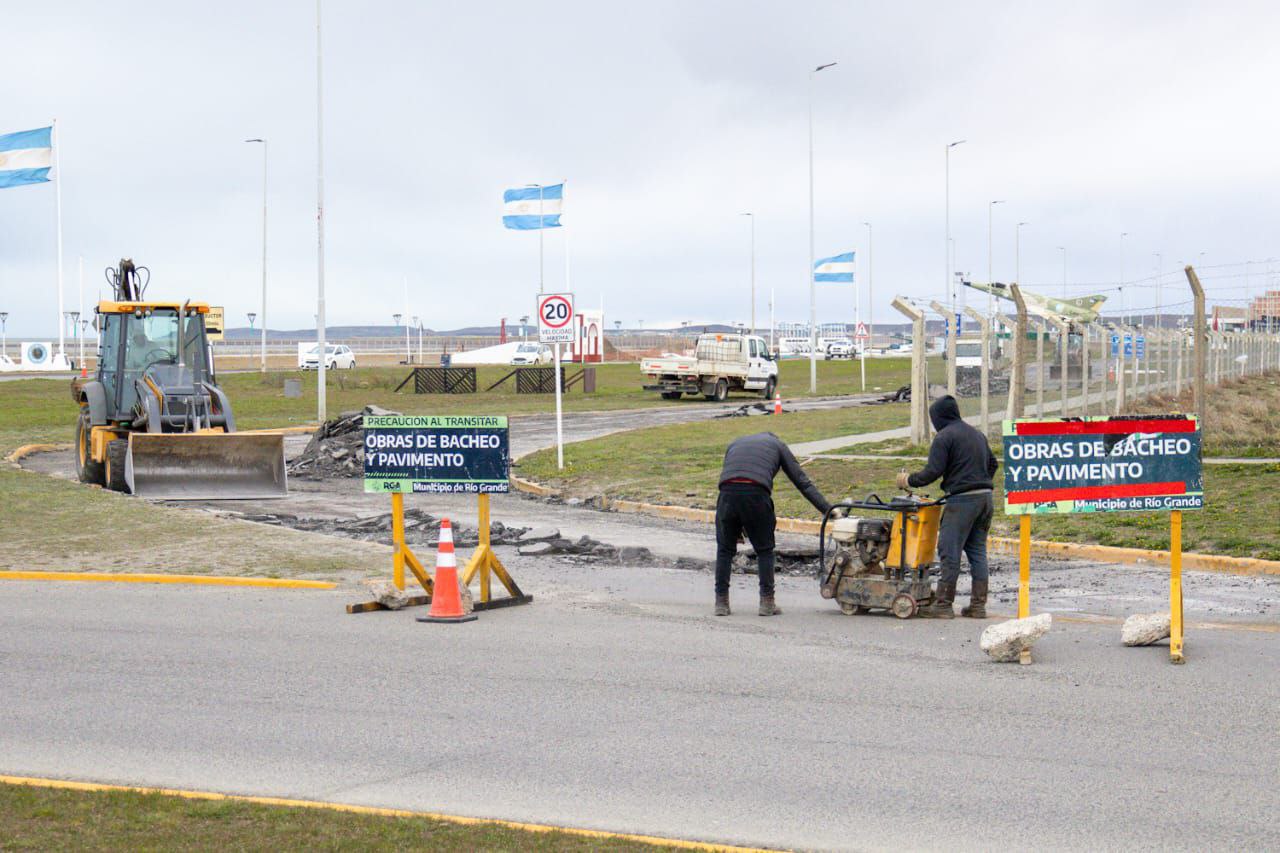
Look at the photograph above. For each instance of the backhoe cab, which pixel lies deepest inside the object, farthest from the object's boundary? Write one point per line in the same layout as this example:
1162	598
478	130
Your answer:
153	420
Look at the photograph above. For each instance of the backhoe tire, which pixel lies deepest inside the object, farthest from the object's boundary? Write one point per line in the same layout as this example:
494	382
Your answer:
87	469
116	452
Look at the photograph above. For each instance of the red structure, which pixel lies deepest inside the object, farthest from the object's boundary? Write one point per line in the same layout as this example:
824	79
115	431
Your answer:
502	330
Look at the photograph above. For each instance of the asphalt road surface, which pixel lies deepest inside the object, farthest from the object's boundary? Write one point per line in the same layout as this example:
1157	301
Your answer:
615	701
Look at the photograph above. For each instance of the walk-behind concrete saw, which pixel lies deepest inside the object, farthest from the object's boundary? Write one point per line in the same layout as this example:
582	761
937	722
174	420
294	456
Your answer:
881	563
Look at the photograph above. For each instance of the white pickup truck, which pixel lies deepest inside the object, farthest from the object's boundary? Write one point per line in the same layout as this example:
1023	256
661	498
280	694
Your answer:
719	364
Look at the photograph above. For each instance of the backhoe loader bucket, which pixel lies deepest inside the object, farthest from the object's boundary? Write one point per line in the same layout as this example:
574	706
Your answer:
206	466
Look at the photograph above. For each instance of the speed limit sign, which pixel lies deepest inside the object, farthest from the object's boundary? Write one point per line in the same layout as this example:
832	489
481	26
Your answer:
555	318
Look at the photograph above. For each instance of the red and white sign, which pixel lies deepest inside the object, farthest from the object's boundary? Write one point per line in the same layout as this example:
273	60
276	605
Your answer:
555	318
861	333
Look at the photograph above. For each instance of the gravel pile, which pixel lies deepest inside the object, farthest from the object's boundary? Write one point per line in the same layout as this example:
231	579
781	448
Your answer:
337	448
420	528
750	410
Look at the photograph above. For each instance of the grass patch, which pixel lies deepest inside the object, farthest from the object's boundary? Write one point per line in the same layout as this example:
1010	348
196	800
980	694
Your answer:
259	399
679	463
52	819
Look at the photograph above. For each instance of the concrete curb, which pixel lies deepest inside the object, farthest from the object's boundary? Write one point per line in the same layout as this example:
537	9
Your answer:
27	449
193	580
68	785
1000	544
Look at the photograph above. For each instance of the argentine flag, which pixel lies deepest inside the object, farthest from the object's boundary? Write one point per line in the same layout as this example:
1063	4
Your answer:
531	208
837	268
25	157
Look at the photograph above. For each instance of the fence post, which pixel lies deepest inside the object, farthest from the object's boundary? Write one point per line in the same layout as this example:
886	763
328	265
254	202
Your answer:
1200	339
1018	375
919	380
985	325
1042	329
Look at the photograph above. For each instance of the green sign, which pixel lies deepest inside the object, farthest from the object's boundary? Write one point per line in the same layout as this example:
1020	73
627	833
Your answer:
436	453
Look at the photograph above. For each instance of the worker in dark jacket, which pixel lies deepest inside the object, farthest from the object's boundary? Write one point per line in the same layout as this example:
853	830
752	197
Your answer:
746	505
961	456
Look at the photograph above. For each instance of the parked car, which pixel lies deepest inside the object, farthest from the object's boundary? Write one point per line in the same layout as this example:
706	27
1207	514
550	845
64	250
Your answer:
840	348
532	354
337	357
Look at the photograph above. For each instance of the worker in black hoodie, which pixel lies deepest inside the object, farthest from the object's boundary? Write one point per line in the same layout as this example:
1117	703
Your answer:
961	456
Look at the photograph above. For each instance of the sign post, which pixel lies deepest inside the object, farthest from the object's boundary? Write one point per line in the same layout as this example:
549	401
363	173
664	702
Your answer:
861	338
1128	463
440	454
555	326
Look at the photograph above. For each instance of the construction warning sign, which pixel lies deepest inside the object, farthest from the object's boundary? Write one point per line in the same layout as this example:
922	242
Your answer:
1122	463
436	453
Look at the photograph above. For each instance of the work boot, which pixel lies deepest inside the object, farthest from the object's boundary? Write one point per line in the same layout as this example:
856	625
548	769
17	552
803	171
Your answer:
942	600
722	604
977	608
768	608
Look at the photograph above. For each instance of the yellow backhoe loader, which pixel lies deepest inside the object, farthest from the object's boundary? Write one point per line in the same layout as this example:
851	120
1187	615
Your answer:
153	420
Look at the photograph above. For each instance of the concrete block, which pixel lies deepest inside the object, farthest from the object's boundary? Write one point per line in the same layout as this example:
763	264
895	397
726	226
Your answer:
1143	629
1006	641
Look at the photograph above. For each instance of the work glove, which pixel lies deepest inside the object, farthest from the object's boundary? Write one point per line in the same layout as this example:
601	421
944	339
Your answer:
839	512
901	481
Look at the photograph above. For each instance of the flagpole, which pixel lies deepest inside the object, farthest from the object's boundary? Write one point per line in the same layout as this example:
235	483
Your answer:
57	193
541	228
565	235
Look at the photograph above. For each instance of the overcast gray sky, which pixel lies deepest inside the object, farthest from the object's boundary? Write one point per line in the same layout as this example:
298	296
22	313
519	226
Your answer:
667	119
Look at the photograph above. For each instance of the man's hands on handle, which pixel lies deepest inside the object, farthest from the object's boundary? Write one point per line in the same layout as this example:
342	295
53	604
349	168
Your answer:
901	481
839	512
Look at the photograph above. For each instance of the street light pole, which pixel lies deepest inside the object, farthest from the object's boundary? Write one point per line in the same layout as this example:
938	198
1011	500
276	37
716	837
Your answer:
4	334
948	282
813	292
1064	271
1159	291
320	341
1124	311
991	299
871	302
1017	253
264	251
752	217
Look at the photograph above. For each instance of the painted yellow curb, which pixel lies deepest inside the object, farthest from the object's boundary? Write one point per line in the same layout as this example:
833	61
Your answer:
1042	547
61	784
1113	554
27	449
293	430
196	580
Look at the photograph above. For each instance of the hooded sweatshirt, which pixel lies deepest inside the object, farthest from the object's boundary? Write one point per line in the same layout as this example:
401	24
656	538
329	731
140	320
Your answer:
959	454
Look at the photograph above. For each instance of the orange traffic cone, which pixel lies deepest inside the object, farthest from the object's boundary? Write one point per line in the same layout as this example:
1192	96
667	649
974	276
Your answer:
446	601
777	403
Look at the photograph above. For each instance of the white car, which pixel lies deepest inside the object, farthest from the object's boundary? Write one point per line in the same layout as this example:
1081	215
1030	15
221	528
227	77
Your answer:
532	354
336	357
839	349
